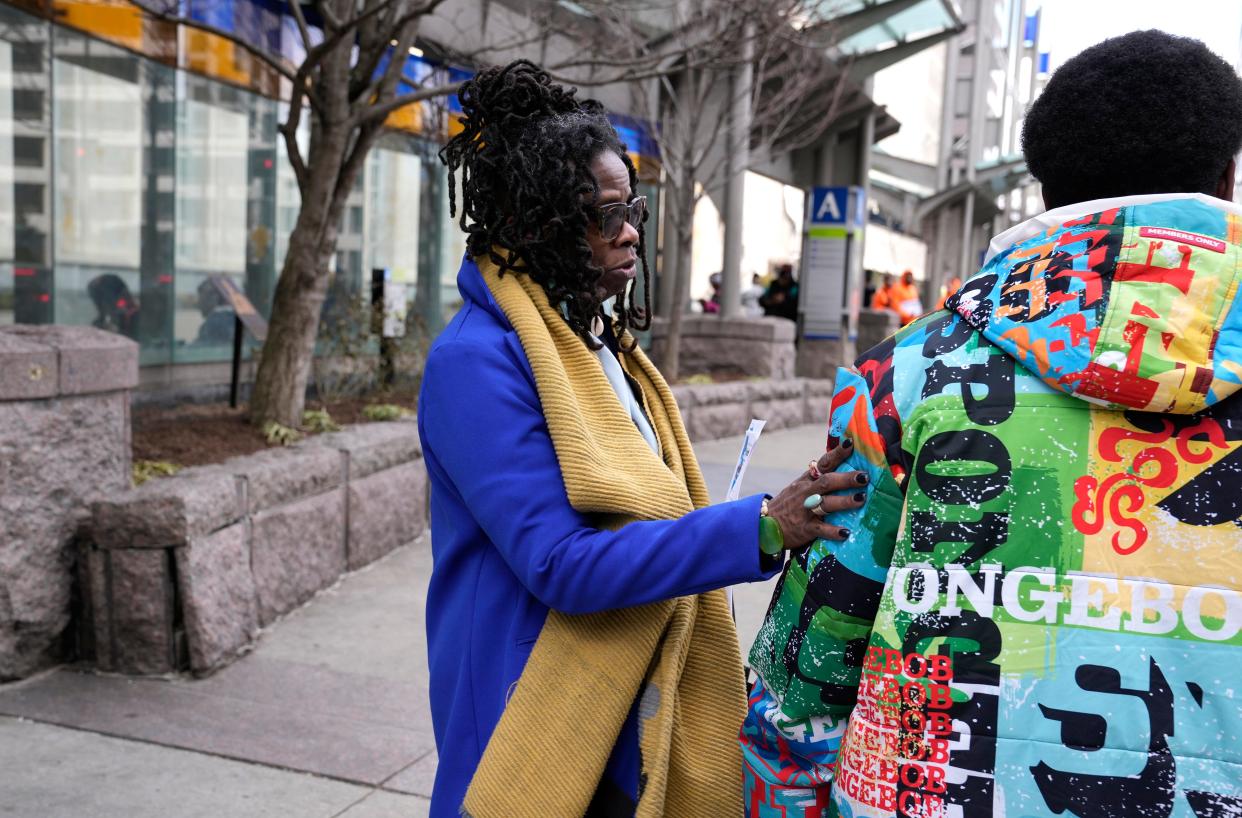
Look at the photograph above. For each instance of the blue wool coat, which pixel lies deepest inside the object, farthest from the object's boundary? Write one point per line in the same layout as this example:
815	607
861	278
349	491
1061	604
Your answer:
508	546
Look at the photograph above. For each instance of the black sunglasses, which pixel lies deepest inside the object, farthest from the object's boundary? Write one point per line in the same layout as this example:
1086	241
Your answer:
611	218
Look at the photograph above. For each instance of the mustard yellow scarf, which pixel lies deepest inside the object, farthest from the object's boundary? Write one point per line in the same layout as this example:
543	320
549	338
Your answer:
558	729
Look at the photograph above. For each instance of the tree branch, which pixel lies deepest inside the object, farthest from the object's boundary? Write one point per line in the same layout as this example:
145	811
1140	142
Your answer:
382	110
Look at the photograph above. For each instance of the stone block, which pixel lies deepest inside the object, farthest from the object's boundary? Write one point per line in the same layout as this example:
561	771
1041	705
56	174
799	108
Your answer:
90	360
297	550
373	447
715	422
780	413
777	389
716	394
820	358
819	387
94	641
27	368
218	598
281	475
874	326
140	612
684	394
168	512
757	347
386	510
818	400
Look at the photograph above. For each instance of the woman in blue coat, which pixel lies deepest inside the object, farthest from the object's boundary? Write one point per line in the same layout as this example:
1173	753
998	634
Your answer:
583	661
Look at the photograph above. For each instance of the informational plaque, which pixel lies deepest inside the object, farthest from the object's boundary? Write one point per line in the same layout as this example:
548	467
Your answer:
246	313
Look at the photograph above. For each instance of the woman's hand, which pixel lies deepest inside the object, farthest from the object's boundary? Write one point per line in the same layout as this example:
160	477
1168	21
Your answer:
799	524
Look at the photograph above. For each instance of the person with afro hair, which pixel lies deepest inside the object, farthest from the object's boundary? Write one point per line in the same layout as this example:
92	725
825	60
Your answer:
1014	625
583	659
1146	112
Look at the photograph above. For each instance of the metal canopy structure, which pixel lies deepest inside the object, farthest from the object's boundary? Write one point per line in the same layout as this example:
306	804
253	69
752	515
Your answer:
874	34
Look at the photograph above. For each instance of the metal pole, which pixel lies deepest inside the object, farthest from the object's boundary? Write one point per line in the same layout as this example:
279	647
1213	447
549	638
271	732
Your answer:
234	385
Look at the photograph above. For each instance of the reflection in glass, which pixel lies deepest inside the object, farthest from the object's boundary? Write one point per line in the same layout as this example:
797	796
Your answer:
113	141
225	189
25	170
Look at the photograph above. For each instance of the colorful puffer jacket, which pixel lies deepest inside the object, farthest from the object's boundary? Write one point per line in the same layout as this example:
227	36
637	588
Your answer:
1039	612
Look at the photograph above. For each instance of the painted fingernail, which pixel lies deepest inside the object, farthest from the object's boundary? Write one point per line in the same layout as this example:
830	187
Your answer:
844	533
860	497
861	478
847	443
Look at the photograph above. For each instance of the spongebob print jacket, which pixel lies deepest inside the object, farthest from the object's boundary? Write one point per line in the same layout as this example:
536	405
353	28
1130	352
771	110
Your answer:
1039	612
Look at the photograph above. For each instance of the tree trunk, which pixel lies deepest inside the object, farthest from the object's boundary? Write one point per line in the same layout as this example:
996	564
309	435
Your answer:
683	237
284	367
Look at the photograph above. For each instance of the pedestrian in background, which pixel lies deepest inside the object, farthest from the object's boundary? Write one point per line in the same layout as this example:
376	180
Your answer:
906	299
583	660
781	298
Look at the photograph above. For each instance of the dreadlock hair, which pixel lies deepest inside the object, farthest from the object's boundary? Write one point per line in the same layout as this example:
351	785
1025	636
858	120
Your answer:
524	153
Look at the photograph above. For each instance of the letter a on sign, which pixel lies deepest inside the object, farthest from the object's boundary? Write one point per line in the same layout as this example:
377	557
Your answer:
828	210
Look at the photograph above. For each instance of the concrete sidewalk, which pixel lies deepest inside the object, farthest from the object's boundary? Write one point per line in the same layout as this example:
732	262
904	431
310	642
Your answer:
328	716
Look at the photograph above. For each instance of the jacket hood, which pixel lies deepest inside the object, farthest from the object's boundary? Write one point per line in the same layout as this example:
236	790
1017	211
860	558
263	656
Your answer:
1130	303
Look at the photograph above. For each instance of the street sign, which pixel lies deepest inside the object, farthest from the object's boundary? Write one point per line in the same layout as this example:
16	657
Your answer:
835	218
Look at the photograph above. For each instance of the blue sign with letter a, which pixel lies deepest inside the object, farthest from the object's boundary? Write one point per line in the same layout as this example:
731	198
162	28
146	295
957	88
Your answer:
838	206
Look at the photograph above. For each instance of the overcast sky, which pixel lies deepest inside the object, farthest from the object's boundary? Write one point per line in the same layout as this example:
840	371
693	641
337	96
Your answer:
1069	26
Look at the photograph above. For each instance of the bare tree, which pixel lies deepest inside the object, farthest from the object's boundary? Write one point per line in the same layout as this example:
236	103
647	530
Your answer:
351	78
683	58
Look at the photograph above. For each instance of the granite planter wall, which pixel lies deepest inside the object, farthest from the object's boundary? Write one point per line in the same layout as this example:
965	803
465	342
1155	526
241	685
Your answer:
715	410
711	345
183	572
64	431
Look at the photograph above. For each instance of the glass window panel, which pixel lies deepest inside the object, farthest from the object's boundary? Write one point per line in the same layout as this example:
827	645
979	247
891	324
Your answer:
225	207
25	172
112	149
8	164
98	170
392	213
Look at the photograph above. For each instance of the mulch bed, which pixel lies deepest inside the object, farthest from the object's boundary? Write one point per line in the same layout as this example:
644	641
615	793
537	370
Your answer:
196	435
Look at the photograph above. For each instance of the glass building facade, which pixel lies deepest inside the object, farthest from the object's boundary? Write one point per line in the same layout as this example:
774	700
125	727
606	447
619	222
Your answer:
132	169
138	158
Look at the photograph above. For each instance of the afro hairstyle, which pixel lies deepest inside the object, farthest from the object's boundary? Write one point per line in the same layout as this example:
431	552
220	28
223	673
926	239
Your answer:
1146	112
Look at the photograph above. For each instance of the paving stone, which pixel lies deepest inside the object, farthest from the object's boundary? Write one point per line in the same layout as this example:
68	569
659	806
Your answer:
53	772
218	598
294	734
167	512
297	550
386	510
27	368
380	804
418	779
140	593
